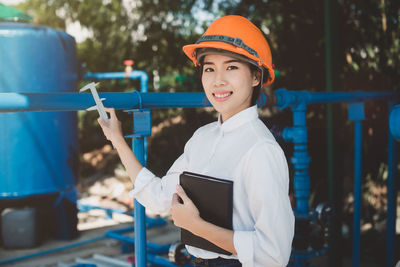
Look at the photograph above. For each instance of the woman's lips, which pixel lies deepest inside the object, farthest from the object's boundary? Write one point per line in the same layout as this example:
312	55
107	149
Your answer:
222	95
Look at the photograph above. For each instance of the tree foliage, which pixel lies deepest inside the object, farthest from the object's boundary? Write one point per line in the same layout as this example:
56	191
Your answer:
152	33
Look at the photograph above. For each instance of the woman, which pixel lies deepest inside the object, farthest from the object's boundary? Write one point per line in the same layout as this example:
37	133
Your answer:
235	61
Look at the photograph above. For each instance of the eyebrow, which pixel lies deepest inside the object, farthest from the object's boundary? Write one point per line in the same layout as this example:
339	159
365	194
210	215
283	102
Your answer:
225	62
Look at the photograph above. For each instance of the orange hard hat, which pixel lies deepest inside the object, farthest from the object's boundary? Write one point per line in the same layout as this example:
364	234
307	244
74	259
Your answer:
238	35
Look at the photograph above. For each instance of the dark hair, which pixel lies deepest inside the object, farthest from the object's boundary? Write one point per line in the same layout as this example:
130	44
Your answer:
253	70
256	89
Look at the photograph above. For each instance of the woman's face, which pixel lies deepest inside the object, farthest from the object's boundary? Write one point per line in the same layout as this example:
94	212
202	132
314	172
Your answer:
228	84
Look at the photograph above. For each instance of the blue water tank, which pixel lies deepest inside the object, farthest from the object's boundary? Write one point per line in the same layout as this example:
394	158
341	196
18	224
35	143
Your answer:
38	150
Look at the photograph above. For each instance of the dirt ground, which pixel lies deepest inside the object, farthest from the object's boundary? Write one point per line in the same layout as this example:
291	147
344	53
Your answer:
107	191
105	246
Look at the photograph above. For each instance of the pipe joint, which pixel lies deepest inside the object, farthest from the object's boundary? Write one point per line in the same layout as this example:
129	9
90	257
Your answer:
300	160
295	134
294	99
394	122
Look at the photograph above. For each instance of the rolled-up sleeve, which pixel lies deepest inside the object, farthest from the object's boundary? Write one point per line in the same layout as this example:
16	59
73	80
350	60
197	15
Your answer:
267	186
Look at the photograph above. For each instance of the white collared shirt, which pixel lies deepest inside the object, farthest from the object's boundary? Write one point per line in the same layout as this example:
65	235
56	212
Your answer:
243	150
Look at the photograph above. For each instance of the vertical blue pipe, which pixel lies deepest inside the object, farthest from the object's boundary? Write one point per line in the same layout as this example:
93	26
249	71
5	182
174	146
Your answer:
391	199
357	192
140	149
140	146
143	89
301	160
139	212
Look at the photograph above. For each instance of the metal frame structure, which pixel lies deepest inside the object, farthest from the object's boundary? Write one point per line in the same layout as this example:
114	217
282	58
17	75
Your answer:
139	102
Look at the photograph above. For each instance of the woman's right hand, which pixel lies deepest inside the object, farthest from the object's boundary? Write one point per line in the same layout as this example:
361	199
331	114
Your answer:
112	131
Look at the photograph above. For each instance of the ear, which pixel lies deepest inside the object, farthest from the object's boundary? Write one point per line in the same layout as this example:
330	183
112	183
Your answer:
256	78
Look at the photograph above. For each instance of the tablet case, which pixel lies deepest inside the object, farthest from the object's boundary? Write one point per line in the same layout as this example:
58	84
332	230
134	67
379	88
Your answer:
213	198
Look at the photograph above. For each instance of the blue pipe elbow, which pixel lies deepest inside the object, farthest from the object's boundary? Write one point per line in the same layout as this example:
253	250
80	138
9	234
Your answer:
133	75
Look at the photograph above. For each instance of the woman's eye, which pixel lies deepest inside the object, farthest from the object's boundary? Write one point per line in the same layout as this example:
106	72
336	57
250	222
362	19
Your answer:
208	69
232	68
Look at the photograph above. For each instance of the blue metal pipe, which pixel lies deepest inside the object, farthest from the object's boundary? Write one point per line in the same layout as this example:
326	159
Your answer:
285	98
356	114
120	237
24	102
86	207
140	222
300	159
20	102
133	75
350	96
139	147
392	187
357	192
15	102
123	230
394	121
154	248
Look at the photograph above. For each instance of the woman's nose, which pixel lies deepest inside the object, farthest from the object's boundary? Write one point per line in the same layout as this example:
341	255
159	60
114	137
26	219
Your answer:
219	79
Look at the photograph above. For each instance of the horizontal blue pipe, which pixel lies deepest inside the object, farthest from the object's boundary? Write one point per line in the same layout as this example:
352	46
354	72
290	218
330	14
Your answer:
150	247
286	98
350	96
133	75
120	237
26	102
85	207
155	248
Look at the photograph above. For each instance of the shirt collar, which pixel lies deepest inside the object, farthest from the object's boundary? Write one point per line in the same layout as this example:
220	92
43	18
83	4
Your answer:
238	119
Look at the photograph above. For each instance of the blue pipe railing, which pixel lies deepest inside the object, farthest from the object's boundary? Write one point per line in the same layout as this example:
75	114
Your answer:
28	102
296	100
139	146
285	98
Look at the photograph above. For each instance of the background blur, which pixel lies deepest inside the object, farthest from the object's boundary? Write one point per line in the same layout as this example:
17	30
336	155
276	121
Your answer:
366	48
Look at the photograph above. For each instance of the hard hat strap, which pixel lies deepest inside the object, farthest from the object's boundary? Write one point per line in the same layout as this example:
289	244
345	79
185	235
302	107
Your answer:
229	40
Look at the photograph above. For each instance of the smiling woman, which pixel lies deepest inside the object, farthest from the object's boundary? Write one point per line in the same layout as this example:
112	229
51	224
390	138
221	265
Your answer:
235	61
228	83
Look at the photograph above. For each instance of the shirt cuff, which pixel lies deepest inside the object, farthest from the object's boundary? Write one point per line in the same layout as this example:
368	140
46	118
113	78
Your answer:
142	179
243	242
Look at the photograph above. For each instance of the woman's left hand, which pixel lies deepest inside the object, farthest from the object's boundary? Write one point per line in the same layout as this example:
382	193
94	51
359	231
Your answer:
184	215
